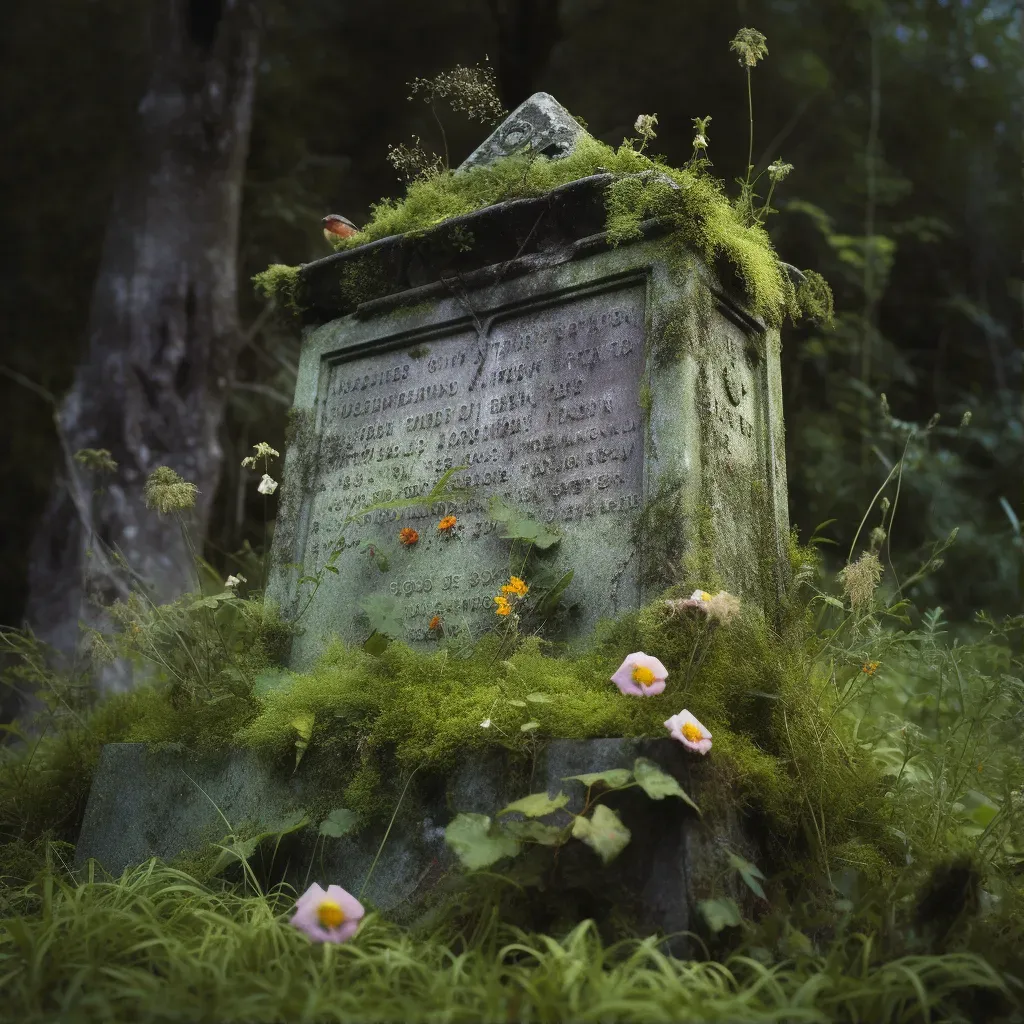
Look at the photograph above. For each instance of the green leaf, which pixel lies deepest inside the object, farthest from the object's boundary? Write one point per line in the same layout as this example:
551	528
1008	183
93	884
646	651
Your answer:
518	703
750	874
547	603
835	602
519	526
331	568
382	612
303	725
529	726
720	914
476	843
537	832
538	698
536	805
603	832
613	778
236	851
658	784
376	644
339	822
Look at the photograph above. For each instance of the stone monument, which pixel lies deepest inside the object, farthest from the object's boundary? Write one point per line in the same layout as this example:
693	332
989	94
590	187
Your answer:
632	406
620	396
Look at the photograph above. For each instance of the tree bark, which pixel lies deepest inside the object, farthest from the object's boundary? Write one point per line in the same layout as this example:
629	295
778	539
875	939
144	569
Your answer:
163	334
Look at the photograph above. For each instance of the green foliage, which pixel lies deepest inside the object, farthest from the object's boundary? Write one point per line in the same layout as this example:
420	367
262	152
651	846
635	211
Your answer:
280	283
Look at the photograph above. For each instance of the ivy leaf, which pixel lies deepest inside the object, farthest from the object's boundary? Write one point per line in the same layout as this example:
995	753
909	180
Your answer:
658	784
236	851
339	822
603	832
382	612
613	778
536	805
303	725
242	849
376	644
476	843
720	914
519	526
537	832
750	874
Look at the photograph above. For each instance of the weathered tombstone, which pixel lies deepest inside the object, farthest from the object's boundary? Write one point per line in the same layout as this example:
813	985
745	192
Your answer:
616	394
632	404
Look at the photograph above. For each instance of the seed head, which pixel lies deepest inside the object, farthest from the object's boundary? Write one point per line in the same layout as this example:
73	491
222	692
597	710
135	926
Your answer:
751	45
860	579
165	491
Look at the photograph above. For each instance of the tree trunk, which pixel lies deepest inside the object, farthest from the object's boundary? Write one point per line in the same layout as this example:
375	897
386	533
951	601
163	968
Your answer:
163	332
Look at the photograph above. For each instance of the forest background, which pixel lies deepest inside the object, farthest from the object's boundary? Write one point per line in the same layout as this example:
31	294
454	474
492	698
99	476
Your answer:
902	121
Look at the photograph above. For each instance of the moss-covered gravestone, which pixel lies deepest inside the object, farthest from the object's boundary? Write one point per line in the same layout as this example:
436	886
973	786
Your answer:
619	394
571	362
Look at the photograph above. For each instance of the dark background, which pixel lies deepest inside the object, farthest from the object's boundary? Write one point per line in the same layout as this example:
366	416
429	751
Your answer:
903	121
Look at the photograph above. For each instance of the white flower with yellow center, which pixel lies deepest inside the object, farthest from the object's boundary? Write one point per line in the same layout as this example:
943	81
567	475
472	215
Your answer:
685	728
640	675
331	916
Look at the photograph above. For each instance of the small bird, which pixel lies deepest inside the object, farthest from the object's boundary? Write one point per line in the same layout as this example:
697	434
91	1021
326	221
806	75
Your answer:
337	227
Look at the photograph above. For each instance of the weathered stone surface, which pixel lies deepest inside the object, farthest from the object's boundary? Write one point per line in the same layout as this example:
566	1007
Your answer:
540	124
144	804
619	394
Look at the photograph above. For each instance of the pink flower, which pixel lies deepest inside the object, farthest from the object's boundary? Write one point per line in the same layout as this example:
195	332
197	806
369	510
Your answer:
331	916
685	728
640	675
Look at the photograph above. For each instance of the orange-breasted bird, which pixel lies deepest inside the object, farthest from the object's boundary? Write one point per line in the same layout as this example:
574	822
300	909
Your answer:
336	226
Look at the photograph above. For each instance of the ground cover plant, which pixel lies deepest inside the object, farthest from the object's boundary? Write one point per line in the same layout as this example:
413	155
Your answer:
874	746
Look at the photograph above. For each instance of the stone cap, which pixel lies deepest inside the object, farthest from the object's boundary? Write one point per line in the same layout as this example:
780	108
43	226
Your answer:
540	123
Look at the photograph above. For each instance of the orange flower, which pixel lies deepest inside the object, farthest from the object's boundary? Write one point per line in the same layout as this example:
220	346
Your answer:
504	608
515	586
869	668
446	524
408	536
435	622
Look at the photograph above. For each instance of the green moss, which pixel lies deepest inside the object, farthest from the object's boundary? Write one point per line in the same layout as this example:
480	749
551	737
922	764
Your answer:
281	283
701	216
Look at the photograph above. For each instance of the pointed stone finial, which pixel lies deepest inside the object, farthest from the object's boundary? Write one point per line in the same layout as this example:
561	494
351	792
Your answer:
541	123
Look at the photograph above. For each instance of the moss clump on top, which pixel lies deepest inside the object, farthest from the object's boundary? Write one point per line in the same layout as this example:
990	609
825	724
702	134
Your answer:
703	217
280	282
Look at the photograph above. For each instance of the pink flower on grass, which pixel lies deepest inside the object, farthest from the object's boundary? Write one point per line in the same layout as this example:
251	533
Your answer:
685	728
331	916
640	675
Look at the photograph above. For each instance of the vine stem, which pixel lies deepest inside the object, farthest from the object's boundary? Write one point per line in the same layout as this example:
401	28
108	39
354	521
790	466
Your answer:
380	849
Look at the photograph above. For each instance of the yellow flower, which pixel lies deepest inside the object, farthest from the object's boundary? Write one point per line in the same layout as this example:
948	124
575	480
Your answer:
515	586
503	606
447	524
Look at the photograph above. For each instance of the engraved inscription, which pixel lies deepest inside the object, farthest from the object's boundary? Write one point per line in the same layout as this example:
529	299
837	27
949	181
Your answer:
543	411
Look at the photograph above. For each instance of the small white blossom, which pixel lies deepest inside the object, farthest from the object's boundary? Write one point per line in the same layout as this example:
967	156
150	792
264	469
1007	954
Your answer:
233	581
485	724
267	485
263	451
778	170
